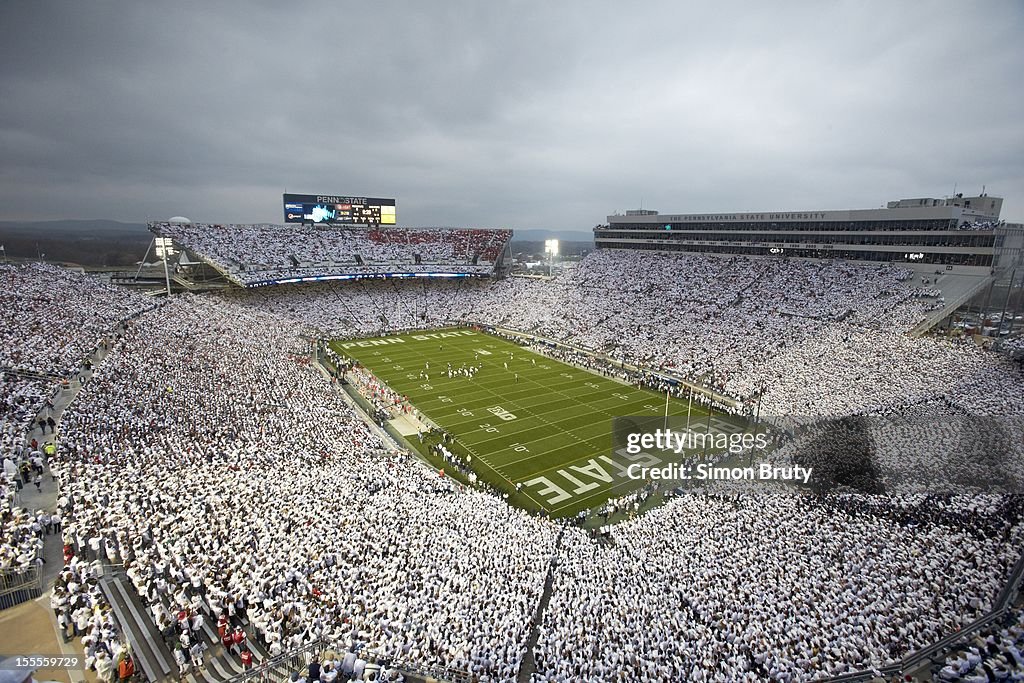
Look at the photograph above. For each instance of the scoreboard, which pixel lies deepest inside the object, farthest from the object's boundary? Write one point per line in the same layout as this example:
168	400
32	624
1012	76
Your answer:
312	208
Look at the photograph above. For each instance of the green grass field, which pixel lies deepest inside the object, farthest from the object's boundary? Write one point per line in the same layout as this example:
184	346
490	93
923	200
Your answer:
550	431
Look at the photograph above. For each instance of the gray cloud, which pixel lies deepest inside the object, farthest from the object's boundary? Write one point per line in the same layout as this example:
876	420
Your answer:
521	114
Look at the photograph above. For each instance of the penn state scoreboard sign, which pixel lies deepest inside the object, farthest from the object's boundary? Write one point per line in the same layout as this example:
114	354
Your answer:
316	208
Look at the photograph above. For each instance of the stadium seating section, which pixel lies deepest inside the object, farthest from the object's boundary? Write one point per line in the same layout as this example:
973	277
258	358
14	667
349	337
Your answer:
252	254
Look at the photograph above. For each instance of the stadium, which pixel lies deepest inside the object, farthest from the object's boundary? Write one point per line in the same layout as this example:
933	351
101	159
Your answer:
336	448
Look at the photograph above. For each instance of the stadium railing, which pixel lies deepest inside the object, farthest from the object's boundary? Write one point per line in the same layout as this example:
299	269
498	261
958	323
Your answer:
916	660
20	585
280	668
433	673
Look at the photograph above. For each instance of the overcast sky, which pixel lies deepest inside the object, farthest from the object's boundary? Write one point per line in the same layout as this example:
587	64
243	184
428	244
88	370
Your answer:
517	114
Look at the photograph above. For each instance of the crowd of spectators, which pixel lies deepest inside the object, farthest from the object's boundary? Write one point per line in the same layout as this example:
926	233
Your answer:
21	530
937	444
21	397
440	245
365	307
253	254
227	474
772	585
51	318
1014	345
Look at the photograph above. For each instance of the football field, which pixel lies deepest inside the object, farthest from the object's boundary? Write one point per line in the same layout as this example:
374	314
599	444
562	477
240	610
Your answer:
523	418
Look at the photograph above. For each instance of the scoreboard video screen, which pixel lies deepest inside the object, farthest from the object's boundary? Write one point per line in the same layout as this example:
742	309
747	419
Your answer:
312	208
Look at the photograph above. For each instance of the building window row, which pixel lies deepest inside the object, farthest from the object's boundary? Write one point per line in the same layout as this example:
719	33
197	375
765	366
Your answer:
804	226
938	259
957	239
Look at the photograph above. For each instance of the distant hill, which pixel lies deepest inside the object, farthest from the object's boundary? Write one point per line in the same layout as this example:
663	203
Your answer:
87	243
535	234
79	228
532	250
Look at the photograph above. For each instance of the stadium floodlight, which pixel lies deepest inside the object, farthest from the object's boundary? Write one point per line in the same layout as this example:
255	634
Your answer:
164	246
551	249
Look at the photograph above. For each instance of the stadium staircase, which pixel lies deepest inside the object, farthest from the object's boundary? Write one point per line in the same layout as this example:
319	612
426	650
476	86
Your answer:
150	654
155	657
529	664
742	292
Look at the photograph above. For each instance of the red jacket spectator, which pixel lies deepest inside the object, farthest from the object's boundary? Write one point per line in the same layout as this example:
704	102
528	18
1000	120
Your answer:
223	626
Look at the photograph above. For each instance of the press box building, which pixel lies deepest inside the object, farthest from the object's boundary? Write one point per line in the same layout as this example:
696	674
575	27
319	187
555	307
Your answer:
959	234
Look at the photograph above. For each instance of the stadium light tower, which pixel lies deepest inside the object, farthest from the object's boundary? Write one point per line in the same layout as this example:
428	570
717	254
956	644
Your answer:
551	249
164	249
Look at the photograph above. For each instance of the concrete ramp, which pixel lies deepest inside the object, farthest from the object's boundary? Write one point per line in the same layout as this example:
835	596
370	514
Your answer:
957	290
